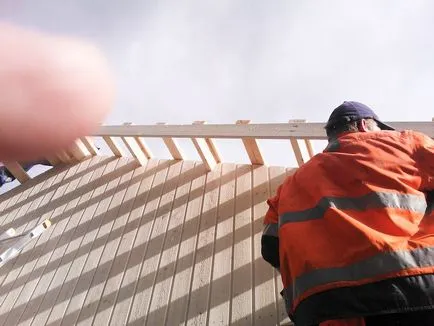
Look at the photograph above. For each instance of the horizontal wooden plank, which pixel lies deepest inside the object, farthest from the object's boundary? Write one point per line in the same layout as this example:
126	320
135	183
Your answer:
310	130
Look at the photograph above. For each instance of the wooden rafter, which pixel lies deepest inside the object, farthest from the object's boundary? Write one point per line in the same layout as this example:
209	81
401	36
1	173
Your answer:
64	157
135	149
251	146
173	146
17	171
78	150
114	147
90	145
211	144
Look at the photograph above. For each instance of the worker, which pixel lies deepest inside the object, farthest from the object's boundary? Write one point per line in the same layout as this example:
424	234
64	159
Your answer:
351	231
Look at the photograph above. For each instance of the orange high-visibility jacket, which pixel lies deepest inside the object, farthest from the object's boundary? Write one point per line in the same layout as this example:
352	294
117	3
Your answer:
355	214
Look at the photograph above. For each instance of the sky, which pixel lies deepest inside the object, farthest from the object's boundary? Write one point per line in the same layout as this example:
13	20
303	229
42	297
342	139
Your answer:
267	61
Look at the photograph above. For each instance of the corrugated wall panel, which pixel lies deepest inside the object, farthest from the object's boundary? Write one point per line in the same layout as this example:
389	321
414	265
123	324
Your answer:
164	244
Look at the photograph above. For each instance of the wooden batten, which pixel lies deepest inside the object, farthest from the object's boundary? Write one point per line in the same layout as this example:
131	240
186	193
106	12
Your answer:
114	147
204	150
54	160
90	145
173	146
64	157
17	171
144	147
78	150
252	147
211	144
135	149
309	148
295	145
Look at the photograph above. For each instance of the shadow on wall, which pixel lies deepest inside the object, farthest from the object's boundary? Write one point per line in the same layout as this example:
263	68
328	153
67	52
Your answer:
163	244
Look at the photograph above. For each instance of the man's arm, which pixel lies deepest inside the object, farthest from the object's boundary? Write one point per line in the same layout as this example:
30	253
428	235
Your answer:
270	235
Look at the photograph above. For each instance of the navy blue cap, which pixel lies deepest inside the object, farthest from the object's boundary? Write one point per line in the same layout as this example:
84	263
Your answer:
353	111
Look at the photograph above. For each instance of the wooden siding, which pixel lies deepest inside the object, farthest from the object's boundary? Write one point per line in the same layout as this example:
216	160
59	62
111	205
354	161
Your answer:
167	243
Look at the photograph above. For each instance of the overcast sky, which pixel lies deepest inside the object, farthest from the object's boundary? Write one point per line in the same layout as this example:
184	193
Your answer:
268	61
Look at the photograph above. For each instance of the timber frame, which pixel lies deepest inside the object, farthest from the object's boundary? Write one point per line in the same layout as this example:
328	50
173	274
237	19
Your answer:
202	136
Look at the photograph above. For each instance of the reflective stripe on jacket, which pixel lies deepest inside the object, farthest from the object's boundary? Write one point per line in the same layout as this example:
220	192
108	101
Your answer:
354	214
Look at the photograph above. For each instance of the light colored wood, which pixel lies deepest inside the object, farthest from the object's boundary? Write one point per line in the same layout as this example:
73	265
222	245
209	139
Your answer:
135	240
59	264
157	312
90	145
25	262
123	243
100	227
242	271
135	150
277	177
221	282
17	171
309	147
204	150
211	144
179	298
155	220
199	296
114	147
80	252
163	244
78	150
297	151
251	146
142	308
53	160
94	310
309	130
144	147
296	146
104	255
37	283
173	146
64	157
265	306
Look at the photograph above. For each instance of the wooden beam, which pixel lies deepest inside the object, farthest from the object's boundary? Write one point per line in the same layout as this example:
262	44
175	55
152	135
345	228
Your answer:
295	145
143	146
90	145
135	149
211	145
78	150
173	146
64	157
204	153
54	160
310	130
252	147
309	148
17	171
111	143
297	151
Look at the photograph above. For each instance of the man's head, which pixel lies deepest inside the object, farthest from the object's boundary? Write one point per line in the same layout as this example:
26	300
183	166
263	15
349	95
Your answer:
353	116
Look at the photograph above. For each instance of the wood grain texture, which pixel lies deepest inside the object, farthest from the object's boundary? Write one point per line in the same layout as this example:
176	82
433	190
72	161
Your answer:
167	243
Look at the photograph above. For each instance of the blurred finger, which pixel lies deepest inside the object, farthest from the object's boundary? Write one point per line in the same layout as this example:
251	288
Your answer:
52	91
